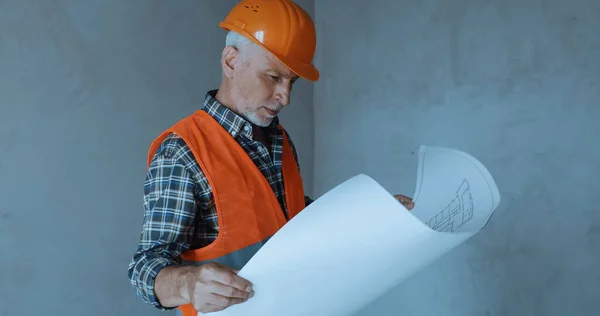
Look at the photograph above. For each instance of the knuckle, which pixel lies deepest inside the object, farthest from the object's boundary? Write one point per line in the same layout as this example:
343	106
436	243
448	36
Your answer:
228	278
208	268
230	291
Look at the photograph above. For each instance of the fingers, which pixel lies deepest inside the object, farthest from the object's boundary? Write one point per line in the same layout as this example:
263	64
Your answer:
228	291
216	286
227	276
223	301
406	201
217	307
234	281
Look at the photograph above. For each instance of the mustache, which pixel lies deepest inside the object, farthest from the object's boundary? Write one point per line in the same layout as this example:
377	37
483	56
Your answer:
276	108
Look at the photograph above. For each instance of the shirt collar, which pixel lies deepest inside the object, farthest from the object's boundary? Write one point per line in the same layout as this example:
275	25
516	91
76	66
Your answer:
233	123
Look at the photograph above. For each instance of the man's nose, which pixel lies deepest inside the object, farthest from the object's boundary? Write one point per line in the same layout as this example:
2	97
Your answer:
283	95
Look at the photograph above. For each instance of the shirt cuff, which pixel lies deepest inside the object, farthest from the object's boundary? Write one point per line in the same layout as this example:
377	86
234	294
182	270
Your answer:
146	279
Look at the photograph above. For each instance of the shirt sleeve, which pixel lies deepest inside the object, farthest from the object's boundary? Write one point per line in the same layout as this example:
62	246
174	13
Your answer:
168	222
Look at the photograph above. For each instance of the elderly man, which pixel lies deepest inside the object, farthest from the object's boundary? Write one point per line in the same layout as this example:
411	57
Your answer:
223	180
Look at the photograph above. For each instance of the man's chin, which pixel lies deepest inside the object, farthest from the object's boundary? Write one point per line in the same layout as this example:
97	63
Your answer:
262	121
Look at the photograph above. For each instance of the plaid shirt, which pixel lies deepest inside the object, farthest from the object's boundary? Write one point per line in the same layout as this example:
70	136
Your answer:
179	207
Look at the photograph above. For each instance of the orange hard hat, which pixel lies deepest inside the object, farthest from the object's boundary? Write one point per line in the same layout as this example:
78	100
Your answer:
281	27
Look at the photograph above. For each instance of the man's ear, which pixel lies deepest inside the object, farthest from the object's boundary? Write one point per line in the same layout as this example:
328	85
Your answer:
229	60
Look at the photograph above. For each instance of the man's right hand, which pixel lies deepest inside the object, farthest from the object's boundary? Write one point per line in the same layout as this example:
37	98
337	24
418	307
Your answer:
209	287
213	287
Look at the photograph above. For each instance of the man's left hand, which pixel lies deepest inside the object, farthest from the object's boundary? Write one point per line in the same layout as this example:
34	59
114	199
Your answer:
405	200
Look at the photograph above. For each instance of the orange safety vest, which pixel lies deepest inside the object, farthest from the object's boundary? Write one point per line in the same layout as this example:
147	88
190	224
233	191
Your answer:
247	208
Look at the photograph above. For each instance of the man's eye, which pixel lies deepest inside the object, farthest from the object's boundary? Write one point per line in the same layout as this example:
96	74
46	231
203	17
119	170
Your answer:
274	77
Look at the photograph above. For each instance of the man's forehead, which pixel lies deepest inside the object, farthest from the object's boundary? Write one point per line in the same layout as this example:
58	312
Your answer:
277	66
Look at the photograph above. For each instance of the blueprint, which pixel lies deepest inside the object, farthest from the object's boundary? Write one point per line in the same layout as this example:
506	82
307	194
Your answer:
328	261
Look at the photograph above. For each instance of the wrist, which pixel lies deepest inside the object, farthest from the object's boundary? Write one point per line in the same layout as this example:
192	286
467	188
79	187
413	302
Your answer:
172	286
184	283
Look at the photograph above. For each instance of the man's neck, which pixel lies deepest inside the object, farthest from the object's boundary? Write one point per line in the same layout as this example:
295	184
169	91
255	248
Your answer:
224	97
259	133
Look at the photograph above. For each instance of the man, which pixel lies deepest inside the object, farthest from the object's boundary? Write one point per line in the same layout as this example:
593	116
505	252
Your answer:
226	178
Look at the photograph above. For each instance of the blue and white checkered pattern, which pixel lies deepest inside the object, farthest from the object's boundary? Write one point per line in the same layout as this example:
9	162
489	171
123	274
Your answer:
179	207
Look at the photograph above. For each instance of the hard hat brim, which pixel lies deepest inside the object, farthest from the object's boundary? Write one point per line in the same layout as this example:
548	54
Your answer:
306	71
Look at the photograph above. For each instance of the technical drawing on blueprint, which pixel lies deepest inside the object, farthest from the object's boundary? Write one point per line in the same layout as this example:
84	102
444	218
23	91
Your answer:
455	214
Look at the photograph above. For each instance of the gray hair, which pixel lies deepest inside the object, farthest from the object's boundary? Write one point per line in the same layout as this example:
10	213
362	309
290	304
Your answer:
236	40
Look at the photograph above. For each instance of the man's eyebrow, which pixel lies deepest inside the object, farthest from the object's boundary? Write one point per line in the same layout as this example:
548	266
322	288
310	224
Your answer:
289	75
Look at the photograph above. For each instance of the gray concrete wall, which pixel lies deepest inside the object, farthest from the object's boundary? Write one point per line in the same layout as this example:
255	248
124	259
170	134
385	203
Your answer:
84	88
516	84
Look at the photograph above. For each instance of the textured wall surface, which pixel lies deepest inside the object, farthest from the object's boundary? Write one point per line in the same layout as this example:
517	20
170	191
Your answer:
86	85
84	88
514	83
